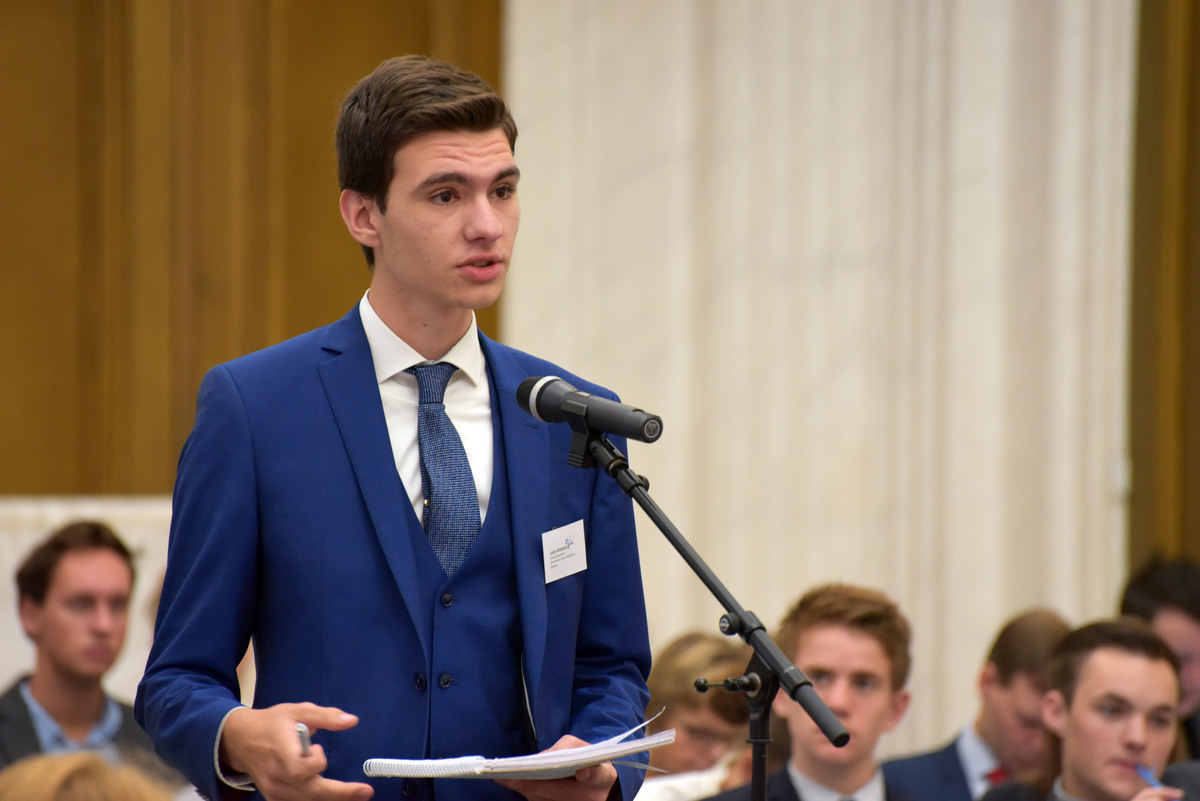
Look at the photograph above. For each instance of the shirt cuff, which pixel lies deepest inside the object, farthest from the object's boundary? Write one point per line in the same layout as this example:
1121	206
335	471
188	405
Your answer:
238	781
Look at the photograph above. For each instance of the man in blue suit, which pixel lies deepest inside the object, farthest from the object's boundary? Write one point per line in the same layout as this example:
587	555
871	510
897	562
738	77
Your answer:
297	520
1007	738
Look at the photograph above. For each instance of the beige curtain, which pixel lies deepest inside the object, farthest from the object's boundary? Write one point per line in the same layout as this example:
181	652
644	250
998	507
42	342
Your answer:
869	262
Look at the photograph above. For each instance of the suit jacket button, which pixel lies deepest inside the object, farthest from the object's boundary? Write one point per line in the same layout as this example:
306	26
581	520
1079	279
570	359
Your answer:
447	599
444	680
419	681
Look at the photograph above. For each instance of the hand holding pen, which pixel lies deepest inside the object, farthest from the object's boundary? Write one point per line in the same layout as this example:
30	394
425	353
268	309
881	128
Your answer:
1156	789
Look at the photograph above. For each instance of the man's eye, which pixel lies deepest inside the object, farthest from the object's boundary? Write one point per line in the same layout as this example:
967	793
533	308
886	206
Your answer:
505	192
443	197
1162	721
79	604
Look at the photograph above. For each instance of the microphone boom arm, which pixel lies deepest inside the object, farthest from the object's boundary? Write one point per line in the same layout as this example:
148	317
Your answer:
777	671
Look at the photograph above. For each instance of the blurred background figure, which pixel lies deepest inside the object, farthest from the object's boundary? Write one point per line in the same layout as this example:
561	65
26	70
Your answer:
1114	689
73	593
854	644
1007	738
78	776
1166	594
708	726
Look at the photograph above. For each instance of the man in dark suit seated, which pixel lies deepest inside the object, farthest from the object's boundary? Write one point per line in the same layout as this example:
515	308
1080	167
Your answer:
1007	738
1112	706
853	643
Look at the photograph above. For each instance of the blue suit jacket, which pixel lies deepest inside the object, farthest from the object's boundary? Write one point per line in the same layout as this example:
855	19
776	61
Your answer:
288	525
934	774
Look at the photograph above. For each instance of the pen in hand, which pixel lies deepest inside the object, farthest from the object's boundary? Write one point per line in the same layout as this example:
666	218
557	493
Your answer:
1149	776
306	741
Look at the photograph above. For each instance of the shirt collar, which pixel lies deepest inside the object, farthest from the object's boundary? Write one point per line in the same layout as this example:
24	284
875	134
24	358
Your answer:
1061	794
810	790
392	355
977	757
51	735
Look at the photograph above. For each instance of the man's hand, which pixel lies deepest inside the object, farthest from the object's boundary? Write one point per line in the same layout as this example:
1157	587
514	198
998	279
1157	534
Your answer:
264	744
588	784
1158	794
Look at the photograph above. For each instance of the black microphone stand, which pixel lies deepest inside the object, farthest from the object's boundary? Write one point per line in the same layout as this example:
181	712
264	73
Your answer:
769	670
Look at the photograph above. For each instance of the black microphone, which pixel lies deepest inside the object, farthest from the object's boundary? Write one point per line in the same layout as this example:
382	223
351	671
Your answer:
552	400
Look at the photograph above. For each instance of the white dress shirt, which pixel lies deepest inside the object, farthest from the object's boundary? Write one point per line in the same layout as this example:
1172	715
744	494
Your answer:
468	403
809	790
977	759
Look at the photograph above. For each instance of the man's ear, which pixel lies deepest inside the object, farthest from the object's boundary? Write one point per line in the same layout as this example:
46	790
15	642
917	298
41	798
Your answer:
358	214
31	618
1054	712
989	677
900	702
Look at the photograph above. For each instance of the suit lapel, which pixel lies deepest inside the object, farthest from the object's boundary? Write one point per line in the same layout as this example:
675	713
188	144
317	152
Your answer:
353	394
18	738
525	447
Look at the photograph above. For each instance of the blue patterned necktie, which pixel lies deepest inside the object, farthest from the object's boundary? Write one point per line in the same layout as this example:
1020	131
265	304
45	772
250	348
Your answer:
451	514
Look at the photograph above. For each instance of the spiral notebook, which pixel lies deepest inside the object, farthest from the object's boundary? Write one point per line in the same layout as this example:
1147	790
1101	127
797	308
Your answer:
546	765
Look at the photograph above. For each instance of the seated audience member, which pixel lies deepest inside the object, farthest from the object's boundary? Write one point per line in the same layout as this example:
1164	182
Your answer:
77	776
73	594
853	644
707	725
734	770
1166	594
1007	738
1114	691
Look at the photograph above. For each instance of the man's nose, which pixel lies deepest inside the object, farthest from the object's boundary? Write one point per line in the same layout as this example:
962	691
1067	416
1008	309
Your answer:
836	695
484	223
105	618
1135	731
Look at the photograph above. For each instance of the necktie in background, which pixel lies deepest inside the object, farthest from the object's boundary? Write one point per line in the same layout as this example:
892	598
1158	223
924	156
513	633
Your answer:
451	513
997	775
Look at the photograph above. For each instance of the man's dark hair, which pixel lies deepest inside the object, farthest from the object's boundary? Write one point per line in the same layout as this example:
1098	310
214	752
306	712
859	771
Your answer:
1127	634
1023	646
1163	583
403	98
36	572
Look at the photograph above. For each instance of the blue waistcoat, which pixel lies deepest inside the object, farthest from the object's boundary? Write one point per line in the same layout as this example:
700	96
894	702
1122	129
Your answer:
474	630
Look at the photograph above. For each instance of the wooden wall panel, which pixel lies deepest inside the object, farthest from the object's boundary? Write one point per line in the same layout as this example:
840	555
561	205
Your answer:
170	198
1165	321
43	149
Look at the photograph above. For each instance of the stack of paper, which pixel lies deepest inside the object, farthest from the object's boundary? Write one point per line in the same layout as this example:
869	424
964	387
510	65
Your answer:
546	765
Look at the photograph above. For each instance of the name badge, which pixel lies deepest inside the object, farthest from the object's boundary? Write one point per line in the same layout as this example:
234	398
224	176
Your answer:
563	551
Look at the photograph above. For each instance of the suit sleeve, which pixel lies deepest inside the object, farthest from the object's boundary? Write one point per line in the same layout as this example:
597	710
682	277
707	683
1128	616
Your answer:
208	597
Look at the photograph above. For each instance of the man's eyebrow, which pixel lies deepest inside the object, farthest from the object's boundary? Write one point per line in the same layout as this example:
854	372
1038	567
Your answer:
460	179
1114	698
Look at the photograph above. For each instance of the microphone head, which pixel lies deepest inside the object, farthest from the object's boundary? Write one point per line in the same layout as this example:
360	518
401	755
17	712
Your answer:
529	393
525	390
